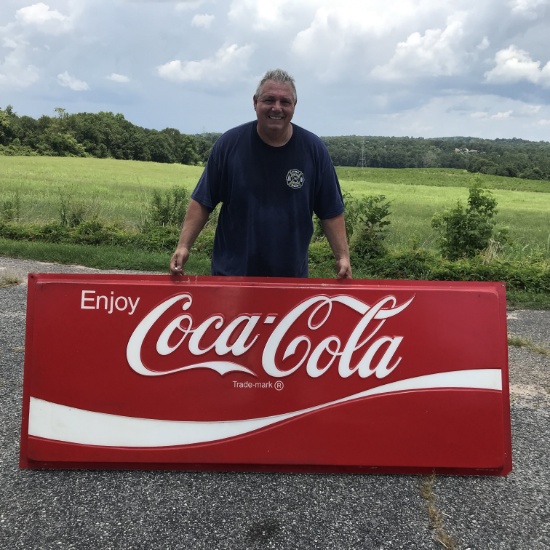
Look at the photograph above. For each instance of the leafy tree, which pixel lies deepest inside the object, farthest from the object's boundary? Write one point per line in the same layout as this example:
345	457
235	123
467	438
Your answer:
106	134
161	147
6	131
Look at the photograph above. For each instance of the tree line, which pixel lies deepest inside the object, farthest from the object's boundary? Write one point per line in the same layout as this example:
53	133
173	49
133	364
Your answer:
109	135
502	157
99	135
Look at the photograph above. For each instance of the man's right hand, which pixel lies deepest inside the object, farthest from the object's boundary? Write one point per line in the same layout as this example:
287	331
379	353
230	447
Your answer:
195	218
178	261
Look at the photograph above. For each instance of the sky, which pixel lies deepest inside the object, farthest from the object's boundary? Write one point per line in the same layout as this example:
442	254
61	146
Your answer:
418	68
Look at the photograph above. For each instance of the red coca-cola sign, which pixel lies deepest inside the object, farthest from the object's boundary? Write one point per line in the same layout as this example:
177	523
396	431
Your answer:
279	374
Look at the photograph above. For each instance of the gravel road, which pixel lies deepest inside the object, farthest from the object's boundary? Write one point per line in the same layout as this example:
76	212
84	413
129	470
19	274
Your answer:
200	510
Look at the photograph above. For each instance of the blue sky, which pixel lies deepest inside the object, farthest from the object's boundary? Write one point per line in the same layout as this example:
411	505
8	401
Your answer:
420	68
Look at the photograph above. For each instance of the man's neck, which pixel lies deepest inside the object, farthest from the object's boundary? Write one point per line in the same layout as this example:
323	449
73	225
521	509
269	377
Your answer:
276	139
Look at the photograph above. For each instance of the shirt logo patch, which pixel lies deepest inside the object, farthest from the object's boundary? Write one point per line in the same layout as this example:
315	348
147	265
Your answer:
295	178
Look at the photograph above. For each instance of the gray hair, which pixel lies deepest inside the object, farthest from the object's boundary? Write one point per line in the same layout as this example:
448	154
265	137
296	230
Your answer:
277	75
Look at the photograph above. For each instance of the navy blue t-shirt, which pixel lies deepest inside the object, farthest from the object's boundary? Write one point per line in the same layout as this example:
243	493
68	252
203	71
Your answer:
268	197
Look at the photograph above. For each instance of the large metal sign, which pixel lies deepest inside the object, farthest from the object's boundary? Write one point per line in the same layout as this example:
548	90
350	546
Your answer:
131	371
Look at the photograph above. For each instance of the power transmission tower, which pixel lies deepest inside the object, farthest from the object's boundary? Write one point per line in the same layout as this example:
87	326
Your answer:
363	160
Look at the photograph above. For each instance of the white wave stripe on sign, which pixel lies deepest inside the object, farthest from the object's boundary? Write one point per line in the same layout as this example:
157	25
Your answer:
68	424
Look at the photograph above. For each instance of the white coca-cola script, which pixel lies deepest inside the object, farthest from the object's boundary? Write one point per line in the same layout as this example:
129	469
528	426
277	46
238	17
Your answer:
365	351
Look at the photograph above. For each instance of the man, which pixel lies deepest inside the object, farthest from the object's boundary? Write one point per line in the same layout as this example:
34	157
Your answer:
270	176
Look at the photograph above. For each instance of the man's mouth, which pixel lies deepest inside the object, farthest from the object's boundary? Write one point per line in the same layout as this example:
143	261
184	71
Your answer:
273	117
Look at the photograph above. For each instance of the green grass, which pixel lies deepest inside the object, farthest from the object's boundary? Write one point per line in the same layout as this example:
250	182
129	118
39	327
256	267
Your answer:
99	257
438	177
417	194
115	191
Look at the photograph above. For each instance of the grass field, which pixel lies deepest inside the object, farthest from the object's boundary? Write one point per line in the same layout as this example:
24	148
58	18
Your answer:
526	213
120	192
116	190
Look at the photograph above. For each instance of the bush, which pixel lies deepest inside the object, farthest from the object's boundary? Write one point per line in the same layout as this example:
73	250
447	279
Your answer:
204	244
370	232
409	265
13	231
10	209
94	232
355	210
466	231
533	277
16	150
167	209
73	213
50	233
158	239
319	253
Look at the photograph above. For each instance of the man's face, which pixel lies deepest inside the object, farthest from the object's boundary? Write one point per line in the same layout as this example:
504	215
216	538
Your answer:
274	108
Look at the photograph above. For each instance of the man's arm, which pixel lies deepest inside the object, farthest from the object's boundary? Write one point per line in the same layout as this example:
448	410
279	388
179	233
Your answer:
335	232
195	219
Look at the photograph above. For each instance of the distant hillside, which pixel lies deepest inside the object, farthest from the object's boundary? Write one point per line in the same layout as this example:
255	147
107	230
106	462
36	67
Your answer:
502	157
108	135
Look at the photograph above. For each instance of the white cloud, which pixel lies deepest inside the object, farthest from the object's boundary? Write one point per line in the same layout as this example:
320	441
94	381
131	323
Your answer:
484	44
352	37
527	8
437	52
515	65
120	78
227	62
203	20
67	81
189	5
480	115
513	110
261	15
43	18
16	73
432	59
502	115
519	110
530	110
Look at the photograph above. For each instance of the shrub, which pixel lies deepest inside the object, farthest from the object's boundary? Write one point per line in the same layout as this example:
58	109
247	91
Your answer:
370	232
204	243
10	209
17	150
94	232
73	213
159	239
466	231
319	253
14	231
533	277
354	209
50	233
167	209
408	265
